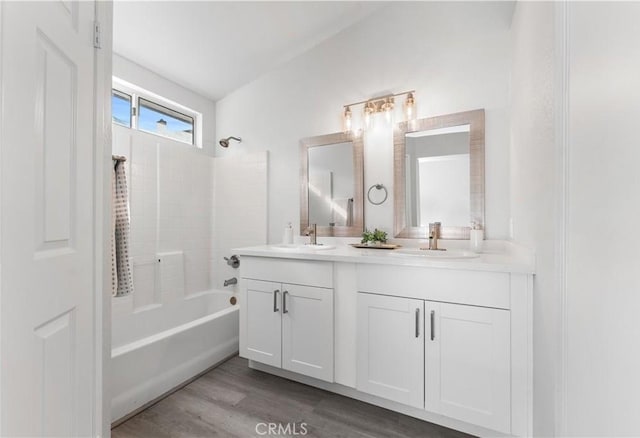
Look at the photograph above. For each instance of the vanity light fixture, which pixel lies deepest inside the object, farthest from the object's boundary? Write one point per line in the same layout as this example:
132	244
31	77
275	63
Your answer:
383	104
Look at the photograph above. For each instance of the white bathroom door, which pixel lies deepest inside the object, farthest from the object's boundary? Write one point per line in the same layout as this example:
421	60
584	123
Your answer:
48	297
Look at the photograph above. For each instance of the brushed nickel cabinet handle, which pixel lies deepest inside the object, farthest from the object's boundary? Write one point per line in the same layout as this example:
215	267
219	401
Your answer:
417	323
433	325
275	300
284	301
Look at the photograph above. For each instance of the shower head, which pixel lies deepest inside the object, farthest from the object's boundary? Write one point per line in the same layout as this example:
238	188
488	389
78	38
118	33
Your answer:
225	141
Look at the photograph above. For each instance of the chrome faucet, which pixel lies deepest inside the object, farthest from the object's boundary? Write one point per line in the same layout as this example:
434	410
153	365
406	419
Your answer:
230	282
311	232
434	235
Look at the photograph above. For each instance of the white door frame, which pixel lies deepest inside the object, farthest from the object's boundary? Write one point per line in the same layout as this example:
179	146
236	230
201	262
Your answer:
561	121
102	216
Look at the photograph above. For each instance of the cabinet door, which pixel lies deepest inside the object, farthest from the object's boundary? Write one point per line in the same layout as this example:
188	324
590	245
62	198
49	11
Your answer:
467	370
307	331
390	360
263	322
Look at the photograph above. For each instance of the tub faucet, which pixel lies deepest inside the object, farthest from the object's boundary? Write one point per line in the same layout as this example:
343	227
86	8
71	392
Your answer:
312	233
230	281
434	235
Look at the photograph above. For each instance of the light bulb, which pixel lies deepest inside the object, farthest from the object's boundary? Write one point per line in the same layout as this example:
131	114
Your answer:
369	109
387	107
347	119
410	106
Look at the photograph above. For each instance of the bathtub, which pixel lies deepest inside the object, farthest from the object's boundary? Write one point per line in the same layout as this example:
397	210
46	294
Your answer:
157	348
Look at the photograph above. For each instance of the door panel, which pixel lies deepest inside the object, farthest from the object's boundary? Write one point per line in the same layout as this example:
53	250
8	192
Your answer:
47	252
467	364
263	322
390	346
307	331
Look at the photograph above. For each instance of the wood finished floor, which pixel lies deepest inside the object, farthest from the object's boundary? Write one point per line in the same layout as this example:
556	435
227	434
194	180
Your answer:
230	400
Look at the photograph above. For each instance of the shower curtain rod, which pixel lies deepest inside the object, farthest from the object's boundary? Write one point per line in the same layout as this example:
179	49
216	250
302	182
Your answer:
119	158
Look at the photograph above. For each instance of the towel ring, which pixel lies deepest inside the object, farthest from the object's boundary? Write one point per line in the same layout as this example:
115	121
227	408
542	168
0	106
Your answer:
377	187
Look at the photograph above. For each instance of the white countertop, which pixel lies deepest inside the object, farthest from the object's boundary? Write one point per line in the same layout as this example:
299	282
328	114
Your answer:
503	257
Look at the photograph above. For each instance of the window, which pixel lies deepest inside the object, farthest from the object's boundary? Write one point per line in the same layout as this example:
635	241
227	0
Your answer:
121	108
163	121
135	108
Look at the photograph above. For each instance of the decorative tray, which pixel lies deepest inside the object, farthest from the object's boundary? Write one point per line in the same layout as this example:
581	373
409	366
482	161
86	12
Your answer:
382	246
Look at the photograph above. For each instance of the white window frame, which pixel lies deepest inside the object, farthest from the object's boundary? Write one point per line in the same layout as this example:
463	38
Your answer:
137	92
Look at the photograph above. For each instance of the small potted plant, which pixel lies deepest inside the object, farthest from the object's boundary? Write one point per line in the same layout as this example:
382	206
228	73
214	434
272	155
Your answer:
374	238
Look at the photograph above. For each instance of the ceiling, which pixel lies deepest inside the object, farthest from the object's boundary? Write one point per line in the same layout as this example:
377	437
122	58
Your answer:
214	48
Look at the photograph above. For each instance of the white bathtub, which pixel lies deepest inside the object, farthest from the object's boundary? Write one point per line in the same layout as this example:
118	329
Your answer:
159	347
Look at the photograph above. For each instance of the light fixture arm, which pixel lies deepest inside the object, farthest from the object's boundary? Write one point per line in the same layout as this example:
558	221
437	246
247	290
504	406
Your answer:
380	98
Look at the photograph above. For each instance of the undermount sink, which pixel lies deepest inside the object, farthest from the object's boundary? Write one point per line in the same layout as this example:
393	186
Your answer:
437	254
299	247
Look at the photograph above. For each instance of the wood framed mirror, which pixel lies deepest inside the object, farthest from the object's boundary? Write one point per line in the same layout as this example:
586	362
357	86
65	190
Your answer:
439	175
331	184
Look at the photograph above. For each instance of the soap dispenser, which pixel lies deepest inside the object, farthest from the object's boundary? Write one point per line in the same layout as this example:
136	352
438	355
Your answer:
287	238
476	237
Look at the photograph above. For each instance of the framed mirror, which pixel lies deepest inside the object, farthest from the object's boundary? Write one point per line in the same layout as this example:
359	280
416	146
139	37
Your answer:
331	189
439	175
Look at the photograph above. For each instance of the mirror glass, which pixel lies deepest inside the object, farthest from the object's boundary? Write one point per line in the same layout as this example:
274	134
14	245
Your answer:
437	176
331	177
331	185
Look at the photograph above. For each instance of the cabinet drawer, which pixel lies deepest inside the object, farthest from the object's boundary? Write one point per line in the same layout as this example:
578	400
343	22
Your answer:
303	272
478	288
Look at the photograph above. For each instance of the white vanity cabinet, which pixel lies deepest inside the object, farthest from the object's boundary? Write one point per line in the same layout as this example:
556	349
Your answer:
264	334
288	325
466	348
467	364
447	342
449	359
307	331
390	358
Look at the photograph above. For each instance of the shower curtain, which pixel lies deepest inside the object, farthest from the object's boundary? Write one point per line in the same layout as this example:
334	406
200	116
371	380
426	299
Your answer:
121	276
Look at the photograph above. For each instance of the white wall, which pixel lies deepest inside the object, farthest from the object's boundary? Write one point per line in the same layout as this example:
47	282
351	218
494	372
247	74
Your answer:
138	75
534	187
456	57
603	207
577	204
240	209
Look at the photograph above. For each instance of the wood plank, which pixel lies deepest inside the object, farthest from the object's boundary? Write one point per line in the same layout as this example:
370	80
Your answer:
232	399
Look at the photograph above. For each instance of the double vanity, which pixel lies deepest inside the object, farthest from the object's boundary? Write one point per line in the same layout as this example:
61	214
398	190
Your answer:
447	340
444	336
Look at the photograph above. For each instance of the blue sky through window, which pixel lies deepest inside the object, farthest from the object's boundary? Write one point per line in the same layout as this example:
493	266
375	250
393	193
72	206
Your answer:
149	116
121	109
152	117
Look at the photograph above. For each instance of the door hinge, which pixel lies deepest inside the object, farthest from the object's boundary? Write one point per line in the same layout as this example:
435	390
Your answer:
97	37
